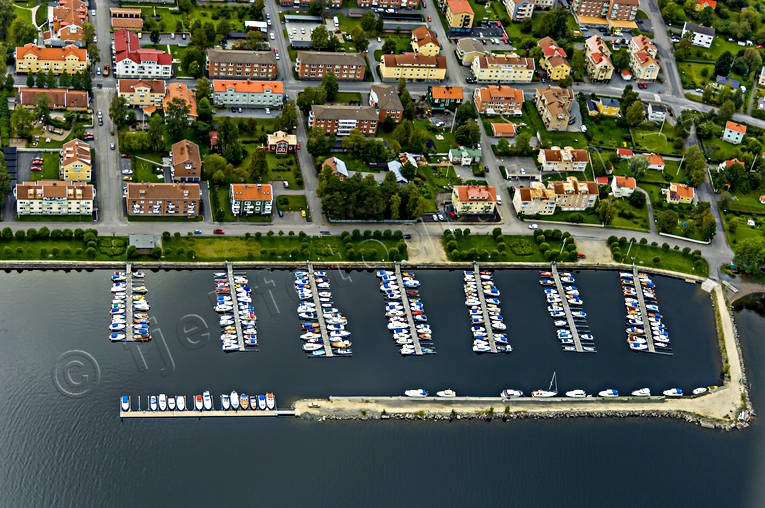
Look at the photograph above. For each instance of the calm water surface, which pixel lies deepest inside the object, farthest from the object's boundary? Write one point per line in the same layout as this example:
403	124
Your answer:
70	450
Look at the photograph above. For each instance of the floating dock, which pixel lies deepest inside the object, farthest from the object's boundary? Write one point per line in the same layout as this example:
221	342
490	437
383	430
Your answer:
408	311
567	310
482	298
129	337
319	312
241	413
644	314
232	292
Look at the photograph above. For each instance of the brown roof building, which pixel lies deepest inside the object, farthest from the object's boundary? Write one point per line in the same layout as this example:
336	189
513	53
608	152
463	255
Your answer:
345	66
240	64
163	199
54	197
186	164
387	102
341	120
554	106
181	91
498	100
126	18
60	98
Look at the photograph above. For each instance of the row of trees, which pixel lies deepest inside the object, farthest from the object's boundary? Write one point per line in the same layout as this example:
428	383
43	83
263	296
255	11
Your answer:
358	198
701	222
78	81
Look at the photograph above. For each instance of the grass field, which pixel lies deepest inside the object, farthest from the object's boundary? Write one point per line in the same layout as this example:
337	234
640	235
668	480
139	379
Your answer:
50	168
291	202
742	231
673	260
717	149
691	74
518	248
651	140
747	203
24	14
283	168
346	97
534	124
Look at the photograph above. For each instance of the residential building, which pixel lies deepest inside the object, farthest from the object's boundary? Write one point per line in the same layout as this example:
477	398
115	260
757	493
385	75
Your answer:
425	42
554	61
69	59
614	10
734	132
608	106
565	159
544	4
142	92
622	10
474	199
385	99
337	166
468	49
642	43
721	81
624	153
163	199
307	3
503	69
518	10
573	195
702	35
597	56
341	120
623	186
592	108
185	161
345	66
126	18
413	66
444	97
644	66
679	194
406	4
65	23
75	163
181	91
54	197
133	61
248	94
464	156
251	198
503	130
498	100
240	64
534	200
702	4
729	163
459	15
60	98
656	112
655	161
554	106
281	142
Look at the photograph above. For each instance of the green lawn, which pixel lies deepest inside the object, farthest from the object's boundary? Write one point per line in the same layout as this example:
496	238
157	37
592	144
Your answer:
480	11
518	248
346	97
604	131
220	200
108	249
719	46
534	124
747	203
627	217
24	14
50	169
347	23
737	229
673	260
649	139
284	168
717	149
143	171
434	179
292	202
691	74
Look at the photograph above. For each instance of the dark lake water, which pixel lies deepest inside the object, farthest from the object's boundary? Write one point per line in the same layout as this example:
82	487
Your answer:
62	449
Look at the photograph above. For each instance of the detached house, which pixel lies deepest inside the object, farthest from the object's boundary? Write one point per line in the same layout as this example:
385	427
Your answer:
464	156
623	186
425	42
554	61
281	142
75	163
702	35
734	132
474	199
679	193
185	162
444	97
181	91
66	23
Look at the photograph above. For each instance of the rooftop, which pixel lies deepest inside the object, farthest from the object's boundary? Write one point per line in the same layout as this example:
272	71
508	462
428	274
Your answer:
247	86
251	192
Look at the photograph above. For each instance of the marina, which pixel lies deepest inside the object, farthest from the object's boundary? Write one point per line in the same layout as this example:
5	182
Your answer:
405	312
487	323
646	332
129	321
203	406
236	312
573	333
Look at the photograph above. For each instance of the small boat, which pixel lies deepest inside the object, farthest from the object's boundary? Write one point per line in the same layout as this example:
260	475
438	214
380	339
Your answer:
153	402
608	392
270	401
253	402
549	392
261	402
180	403
162	401
125	403
673	392
244	401
576	394
114	337
171	403
198	402
509	393
234	400
207	399
311	346
417	392
642	392
225	402
446	393
700	390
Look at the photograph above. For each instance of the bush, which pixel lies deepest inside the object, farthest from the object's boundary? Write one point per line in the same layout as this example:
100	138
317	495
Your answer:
67	234
56	234
78	234
20	234
496	232
451	245
665	247
544	246
643	241
576	218
90	252
656	260
397	235
612	239
654	244
31	234
43	233
686	250
540	239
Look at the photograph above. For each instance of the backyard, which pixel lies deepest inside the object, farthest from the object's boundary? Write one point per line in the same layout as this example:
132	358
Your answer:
221	207
656	139
737	228
534	124
435	179
143	170
291	202
50	168
747	203
283	168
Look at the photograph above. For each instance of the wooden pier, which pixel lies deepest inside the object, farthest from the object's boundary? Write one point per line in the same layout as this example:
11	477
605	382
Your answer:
319	312
235	303
408	311
643	311
567	310
482	298
129	335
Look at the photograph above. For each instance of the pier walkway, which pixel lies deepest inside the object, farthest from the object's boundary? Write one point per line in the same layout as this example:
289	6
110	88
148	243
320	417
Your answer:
408	311
319	312
193	413
235	303
567	310
129	335
643	311
482	298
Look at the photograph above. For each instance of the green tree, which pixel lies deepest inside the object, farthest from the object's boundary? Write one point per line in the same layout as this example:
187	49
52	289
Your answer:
22	32
259	166
468	134
695	165
724	61
42	107
667	221
635	114
369	22
156	132
204	88
288	120
637	165
330	86
30	80
726	111
320	37
154	36
118	110
360	40
606	210
317	8
177	116
21	122
750	255
389	47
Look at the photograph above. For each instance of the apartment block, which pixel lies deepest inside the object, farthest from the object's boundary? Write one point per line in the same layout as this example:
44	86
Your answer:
142	92
75	163
385	99
251	198
60	98
69	59
54	197
503	69
413	66
554	106
163	199
563	159
185	161
498	100
240	64
345	66
248	94
341	120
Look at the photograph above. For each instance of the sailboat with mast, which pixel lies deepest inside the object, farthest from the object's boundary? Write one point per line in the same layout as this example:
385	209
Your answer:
549	392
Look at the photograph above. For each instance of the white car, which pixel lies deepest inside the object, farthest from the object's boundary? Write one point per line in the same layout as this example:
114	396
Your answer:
435	218
92	12
535	226
268	111
273	36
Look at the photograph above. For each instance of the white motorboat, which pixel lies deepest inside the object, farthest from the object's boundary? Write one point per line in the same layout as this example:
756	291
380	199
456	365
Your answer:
700	390
608	392
509	393
234	400
125	403
642	392
207	400
162	401
312	346
417	392
576	394
673	392
225	402
180	403
171	403
446	393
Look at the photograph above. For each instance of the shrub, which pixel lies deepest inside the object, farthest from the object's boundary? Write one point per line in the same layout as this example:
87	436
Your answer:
451	245
656	260
356	234
544	246
90	252
78	234
496	232
696	254
31	234
643	241
654	244
665	247
612	239
67	234
387	234
291	233
43	253
466	232
20	234
540	239
377	234
43	233
397	235
56	234
258	234
165	235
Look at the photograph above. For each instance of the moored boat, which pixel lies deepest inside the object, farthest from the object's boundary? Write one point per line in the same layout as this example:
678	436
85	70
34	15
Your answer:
417	392
207	400
270	401
125	403
642	392
509	393
448	393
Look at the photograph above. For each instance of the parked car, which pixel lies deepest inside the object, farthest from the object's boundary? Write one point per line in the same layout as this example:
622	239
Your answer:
197	231
434	217
111	146
281	214
406	236
642	86
125	155
441	217
218	232
581	256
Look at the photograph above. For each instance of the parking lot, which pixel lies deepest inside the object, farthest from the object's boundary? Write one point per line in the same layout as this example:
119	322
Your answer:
299	32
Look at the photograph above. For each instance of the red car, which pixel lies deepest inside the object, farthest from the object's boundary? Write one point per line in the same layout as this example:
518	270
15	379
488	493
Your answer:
642	86
218	232
125	155
430	19
36	168
298	146
37	162
581	256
